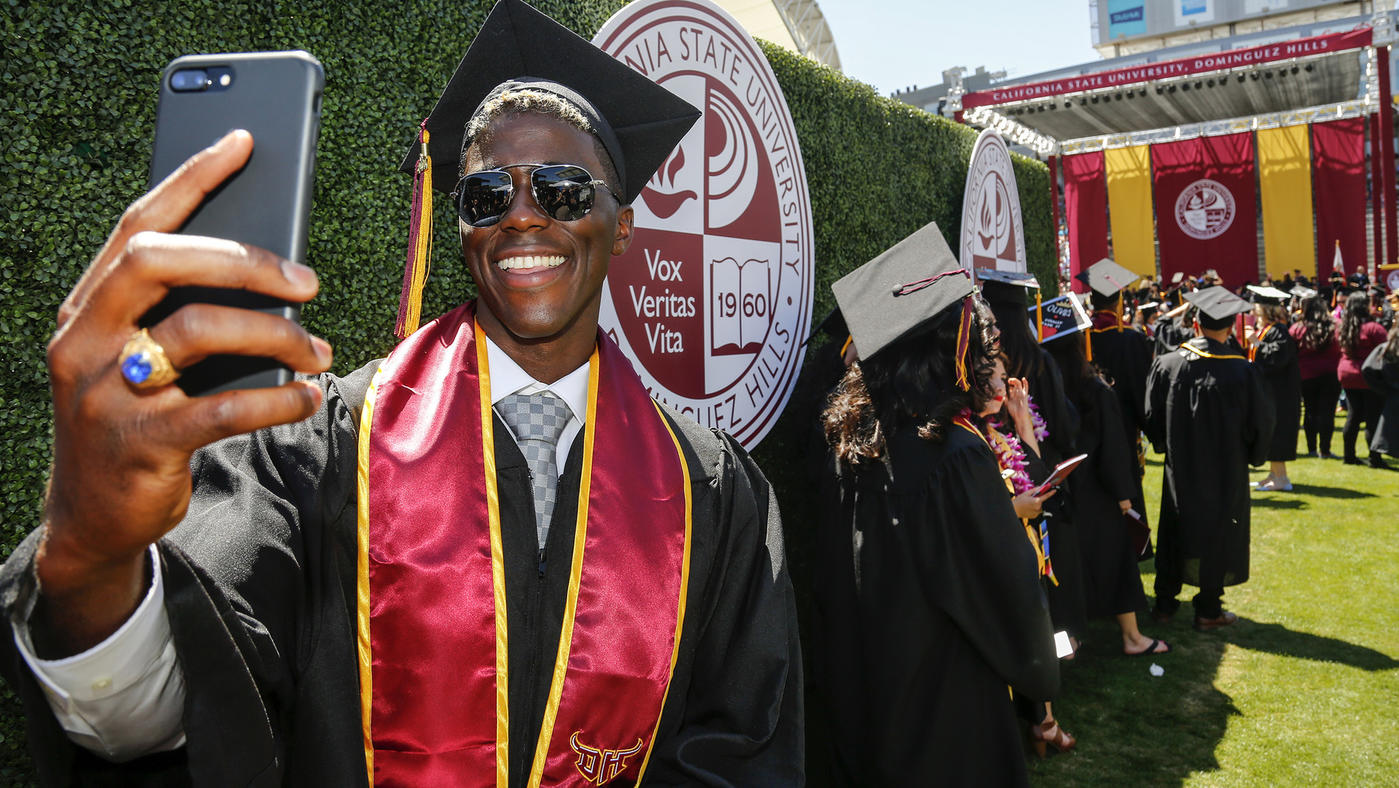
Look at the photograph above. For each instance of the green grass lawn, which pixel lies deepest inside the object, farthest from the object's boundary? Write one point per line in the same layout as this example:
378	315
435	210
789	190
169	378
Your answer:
1304	690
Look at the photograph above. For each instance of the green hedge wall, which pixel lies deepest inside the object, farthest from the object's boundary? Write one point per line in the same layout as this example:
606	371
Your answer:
76	118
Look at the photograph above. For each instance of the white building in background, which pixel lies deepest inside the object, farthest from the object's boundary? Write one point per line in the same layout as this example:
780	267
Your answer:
1131	27
797	25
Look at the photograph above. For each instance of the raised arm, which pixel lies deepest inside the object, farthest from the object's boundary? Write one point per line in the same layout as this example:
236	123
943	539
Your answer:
121	474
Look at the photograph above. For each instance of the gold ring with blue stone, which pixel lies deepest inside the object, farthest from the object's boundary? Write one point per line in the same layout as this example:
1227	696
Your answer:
144	363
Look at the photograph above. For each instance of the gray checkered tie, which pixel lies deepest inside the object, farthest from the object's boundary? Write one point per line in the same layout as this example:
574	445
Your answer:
538	420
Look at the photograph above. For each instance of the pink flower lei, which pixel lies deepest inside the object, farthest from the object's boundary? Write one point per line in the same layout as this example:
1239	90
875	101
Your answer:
1041	428
1009	455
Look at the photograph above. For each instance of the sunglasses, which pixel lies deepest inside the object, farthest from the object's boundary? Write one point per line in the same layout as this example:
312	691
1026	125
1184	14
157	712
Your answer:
563	191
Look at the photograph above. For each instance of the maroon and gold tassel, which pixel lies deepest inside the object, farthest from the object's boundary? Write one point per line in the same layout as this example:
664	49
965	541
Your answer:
410	298
1039	318
963	342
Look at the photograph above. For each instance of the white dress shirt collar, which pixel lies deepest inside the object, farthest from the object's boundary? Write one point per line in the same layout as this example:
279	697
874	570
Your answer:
508	378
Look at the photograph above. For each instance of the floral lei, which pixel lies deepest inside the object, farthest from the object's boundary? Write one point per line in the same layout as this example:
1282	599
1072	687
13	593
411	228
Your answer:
1011	457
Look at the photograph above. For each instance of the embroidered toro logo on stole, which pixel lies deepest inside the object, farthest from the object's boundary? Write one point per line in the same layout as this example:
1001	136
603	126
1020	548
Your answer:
598	765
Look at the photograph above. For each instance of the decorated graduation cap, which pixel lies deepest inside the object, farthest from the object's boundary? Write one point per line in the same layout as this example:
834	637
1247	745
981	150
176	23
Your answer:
1217	304
637	121
1005	287
1107	278
1059	317
1267	294
904	288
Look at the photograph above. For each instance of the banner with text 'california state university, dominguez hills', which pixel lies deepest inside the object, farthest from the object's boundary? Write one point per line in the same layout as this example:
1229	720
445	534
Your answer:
713	299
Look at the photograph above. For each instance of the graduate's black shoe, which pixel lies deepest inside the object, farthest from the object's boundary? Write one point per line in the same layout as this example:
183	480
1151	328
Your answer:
1224	619
1376	461
1352	461
1161	616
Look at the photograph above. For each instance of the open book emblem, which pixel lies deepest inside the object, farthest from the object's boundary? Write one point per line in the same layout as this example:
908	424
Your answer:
742	301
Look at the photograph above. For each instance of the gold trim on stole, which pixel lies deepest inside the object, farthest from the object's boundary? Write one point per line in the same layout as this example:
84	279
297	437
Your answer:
366	665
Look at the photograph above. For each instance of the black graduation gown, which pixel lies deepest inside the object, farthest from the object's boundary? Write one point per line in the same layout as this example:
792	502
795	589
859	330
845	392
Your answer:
1066	599
1383	378
1112	583
1213	417
1125	357
260	588
1276	357
1170	333
929	605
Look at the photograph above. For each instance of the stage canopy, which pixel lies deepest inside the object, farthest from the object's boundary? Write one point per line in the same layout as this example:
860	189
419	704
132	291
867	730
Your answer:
1165	155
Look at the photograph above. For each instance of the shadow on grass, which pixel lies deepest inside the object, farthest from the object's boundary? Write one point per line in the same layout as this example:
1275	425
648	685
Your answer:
1329	492
1135	728
1280	503
1278	639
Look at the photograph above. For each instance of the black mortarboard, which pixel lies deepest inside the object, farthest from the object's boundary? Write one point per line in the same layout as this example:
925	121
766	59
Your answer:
1217	303
1005	287
1266	294
901	289
1107	278
637	121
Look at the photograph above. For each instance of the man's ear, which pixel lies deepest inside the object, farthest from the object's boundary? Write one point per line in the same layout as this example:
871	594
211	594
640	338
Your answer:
626	219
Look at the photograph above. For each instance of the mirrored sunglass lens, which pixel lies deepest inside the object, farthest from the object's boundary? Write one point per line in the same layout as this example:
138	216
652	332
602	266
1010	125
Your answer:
484	196
564	191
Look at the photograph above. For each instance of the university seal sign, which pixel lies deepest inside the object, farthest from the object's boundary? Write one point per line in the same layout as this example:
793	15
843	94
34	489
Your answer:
993	235
1205	209
713	299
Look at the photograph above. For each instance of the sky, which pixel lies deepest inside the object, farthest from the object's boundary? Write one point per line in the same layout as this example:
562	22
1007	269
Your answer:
895	44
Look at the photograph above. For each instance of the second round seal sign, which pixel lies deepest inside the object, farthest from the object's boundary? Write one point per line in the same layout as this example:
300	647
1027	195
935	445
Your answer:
713	299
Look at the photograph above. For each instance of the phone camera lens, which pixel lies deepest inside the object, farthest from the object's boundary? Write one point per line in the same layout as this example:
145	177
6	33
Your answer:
189	79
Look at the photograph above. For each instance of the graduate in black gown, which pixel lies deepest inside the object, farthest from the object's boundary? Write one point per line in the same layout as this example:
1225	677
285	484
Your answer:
1100	492
929	611
241	522
1210	413
1275	353
1122	353
1007	293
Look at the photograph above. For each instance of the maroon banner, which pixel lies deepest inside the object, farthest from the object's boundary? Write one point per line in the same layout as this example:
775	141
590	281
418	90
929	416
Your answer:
1085	211
1150	72
1206	214
1338	192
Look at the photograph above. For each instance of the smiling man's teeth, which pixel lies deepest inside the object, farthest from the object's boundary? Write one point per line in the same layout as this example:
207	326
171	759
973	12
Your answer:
532	261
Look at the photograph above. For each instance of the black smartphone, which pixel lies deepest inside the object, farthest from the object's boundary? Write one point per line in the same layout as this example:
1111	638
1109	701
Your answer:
277	97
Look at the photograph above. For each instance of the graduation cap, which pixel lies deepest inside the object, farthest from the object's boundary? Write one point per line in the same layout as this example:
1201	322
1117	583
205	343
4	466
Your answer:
1176	277
1059	317
1302	291
1267	294
904	288
1005	287
637	121
1217	303
1107	278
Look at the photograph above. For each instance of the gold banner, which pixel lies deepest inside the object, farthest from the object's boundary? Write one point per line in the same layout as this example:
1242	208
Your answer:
1285	184
1129	206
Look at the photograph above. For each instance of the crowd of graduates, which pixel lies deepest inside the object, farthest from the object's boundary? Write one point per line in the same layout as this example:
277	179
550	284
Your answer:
981	575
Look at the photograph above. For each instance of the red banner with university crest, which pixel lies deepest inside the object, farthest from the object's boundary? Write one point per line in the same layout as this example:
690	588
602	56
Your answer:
1206	216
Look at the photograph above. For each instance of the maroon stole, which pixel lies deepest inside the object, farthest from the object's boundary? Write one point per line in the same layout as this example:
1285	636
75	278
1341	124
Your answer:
432	616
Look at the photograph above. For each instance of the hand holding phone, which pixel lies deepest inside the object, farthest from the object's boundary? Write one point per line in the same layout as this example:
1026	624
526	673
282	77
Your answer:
120	477
276	96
